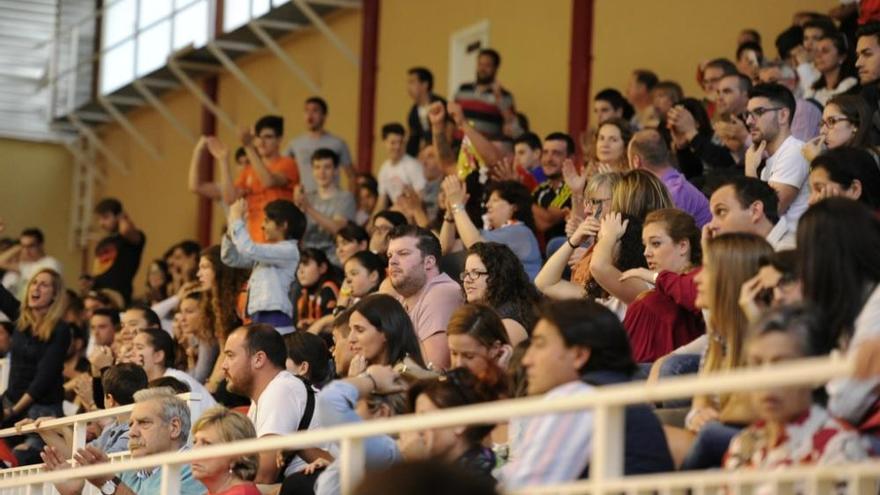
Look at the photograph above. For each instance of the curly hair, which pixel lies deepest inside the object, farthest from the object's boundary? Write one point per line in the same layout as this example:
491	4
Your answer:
631	255
507	285
517	195
228	282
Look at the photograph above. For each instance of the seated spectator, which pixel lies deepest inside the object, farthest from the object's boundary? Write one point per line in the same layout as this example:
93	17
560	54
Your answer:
428	295
461	446
154	351
664	96
273	263
596	203
160	423
845	122
183	263
380	332
712	73
120	383
364	274
425	478
308	358
769	117
661	320
367	196
399	170
428	199
527	155
749	56
118	255
603	261
868	66
494	276
478	339
776	285
648	151
807	114
226	475
349	240
254	364
609	103
508	221
575	339
693	141
318	288
746	204
158	282
847	172
839	242
608	150
341	350
728	261
23	260
316	137
327	208
838	75
791	429
552	199
383	223
136	318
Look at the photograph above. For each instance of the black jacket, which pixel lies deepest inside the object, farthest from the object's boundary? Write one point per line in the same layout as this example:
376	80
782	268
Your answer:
418	137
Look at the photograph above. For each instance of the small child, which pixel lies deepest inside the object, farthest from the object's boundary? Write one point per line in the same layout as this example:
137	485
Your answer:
273	263
320	288
792	429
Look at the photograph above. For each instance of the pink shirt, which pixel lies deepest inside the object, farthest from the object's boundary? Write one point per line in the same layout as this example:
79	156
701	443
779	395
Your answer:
431	308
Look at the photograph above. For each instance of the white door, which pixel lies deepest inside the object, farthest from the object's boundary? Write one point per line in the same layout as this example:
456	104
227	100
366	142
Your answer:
464	45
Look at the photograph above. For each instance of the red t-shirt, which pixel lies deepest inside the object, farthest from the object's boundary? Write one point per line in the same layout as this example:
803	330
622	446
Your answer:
242	489
258	196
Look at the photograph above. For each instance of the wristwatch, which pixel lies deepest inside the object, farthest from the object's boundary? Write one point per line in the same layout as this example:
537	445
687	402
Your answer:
109	488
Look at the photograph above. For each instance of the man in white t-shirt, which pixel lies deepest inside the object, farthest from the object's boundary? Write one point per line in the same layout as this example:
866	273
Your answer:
154	351
775	155
31	258
399	170
254	366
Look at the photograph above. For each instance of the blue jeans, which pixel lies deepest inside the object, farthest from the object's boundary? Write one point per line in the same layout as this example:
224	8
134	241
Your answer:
675	365
709	446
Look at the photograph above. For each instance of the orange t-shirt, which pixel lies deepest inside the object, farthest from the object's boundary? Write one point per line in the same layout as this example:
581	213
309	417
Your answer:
258	196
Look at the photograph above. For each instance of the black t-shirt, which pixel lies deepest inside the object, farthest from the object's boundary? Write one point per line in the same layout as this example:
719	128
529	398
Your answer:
546	196
116	263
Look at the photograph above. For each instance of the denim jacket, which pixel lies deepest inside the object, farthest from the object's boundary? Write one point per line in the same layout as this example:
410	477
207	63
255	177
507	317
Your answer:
273	268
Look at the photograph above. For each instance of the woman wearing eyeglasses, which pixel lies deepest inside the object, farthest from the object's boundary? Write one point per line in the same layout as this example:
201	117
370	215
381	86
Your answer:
842	125
508	221
494	276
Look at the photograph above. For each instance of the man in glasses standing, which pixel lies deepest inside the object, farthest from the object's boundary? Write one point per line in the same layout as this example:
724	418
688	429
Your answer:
775	155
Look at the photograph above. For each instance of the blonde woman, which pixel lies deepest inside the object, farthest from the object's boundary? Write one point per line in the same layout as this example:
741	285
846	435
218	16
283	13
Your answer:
225	475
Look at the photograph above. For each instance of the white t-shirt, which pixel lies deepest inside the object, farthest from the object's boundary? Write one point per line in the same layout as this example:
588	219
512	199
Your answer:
279	410
788	166
394	176
16	282
782	236
206	400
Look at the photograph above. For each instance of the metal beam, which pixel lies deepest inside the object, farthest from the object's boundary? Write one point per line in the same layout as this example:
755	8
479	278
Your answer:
200	95
288	62
322	26
236	46
278	25
349	4
159	83
130	128
98	144
130	101
242	77
164	111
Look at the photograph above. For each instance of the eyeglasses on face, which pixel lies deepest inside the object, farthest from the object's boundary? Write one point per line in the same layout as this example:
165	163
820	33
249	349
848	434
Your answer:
758	112
471	275
832	121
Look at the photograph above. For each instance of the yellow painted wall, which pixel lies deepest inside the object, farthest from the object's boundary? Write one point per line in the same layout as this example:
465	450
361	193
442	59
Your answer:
533	38
35	182
671	37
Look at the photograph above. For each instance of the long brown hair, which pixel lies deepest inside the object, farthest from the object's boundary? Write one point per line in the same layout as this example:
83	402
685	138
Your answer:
41	326
638	193
220	306
731	260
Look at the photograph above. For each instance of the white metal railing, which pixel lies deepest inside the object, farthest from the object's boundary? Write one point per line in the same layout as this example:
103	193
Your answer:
606	464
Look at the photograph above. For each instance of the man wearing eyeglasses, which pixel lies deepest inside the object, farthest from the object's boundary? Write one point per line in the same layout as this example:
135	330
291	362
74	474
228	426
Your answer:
775	155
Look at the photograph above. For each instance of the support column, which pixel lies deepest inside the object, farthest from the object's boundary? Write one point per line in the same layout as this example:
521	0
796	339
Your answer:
367	98
210	85
581	66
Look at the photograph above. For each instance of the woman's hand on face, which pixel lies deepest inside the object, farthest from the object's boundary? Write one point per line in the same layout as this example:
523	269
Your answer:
813	148
358	365
748	294
588	228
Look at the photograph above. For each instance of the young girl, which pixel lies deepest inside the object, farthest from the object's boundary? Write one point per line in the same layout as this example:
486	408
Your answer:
319	291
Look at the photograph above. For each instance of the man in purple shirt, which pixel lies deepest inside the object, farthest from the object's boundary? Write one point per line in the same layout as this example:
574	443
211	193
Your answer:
648	150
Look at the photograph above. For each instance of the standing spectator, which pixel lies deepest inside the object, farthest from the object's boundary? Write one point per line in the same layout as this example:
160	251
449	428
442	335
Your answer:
648	151
399	170
428	295
255	358
420	86
25	259
770	111
485	102
316	137
327	208
270	175
118	255
273	263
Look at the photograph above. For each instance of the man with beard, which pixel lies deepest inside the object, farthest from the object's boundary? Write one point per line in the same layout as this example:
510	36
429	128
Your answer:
254	366
428	295
552	198
775	155
868	65
316	137
486	104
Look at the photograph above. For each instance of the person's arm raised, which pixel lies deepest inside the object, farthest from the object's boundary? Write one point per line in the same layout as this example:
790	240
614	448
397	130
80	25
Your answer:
602	262
456	197
549	279
206	189
437	117
267	178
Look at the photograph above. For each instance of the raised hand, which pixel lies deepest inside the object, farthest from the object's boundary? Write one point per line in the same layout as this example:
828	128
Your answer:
436	114
216	147
246	136
456	113
588	228
504	169
612	226
456	194
576	180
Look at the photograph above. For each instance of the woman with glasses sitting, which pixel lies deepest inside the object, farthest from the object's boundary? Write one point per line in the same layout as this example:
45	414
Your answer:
508	221
494	276
845	122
